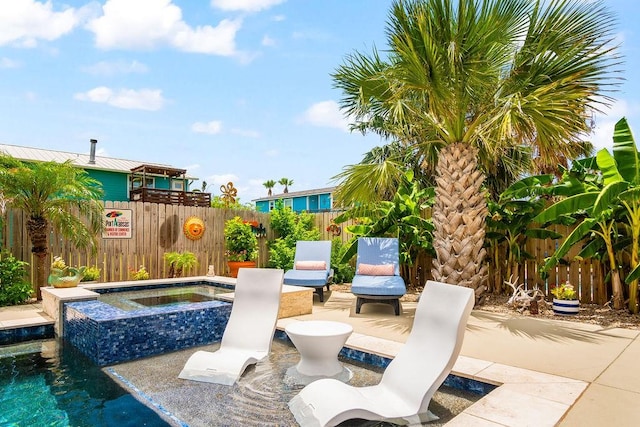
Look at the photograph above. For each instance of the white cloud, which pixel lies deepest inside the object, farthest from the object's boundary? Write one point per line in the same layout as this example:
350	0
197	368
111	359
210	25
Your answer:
272	153
192	167
145	24
9	63
268	41
105	68
218	180
129	99
24	22
246	132
212	128
602	136
326	114
245	5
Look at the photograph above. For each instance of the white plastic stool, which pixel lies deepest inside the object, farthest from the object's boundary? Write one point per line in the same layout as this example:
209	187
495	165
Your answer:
319	342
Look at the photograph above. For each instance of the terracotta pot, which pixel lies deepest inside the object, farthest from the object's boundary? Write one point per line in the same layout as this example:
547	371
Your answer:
566	307
235	265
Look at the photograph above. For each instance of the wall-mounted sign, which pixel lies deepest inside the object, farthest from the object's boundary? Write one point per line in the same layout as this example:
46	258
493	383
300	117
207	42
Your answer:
117	223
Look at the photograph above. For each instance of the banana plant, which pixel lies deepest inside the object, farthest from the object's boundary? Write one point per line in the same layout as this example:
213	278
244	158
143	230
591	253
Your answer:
603	205
509	224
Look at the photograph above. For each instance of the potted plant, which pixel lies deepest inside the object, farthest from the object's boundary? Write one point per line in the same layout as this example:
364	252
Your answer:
179	261
565	299
64	276
241	245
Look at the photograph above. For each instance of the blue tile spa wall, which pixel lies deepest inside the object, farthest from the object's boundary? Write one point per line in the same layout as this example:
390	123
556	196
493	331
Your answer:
109	335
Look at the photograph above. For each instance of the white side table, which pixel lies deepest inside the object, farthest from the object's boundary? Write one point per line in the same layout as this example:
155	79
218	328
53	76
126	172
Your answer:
319	342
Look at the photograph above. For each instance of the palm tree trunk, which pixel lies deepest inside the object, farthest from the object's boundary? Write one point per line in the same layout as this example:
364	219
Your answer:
38	229
459	215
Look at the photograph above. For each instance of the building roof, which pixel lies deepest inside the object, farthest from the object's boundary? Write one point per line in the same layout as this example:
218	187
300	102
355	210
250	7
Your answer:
80	160
291	195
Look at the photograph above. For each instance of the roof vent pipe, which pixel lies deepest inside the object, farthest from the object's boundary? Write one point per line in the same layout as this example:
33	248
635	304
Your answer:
92	153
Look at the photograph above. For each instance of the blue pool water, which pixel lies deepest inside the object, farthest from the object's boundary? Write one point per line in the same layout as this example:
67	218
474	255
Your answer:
49	383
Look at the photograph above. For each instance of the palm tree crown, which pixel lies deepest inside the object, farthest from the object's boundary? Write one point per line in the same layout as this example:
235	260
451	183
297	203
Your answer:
286	182
477	85
53	194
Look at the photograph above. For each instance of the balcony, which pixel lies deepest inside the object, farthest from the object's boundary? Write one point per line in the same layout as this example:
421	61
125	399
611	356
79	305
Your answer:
170	197
143	180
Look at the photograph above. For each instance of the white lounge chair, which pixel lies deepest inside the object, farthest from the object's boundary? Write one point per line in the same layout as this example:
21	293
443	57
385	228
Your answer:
412	377
248	335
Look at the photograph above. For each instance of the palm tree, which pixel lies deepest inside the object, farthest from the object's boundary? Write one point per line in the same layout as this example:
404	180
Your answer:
286	182
53	194
269	184
476	82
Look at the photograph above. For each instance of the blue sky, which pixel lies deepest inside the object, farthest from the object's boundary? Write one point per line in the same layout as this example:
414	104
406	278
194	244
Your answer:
232	90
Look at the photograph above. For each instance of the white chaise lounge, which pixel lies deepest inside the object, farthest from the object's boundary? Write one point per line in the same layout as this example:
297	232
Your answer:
412	377
249	333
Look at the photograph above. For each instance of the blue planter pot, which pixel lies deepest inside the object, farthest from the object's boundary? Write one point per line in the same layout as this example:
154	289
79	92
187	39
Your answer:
566	307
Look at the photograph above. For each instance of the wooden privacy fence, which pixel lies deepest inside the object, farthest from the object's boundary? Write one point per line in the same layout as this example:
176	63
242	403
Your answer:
158	228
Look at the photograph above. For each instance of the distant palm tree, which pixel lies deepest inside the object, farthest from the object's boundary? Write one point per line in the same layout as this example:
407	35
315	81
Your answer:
52	194
286	182
269	185
477	83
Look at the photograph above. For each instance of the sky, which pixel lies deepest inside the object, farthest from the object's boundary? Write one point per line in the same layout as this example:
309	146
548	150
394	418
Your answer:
231	90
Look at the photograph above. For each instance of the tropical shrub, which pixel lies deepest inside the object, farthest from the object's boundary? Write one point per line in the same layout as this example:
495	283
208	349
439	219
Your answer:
240	241
139	274
14	289
179	261
343	272
290	227
91	274
566	291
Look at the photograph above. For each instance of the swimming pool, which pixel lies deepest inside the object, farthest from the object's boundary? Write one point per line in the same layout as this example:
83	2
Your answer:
50	383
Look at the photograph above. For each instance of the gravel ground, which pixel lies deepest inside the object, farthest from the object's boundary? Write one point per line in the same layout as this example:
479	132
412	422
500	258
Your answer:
589	313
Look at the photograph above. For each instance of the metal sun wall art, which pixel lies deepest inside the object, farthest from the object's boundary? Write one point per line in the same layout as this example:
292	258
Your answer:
193	228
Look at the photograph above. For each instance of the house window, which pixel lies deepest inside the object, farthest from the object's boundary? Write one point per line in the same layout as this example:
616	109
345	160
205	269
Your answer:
177	184
272	205
288	203
136	182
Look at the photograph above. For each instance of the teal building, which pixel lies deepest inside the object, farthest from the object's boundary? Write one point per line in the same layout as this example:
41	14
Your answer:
122	180
319	200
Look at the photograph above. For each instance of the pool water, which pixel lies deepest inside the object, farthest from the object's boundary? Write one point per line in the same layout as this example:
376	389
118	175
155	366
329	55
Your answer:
260	397
159	297
49	383
162	300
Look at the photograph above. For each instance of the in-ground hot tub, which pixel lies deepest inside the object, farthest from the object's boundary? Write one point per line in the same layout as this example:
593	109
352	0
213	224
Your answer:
127	327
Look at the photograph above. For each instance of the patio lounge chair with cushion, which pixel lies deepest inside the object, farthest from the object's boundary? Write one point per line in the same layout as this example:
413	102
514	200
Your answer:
311	266
377	277
412	377
248	335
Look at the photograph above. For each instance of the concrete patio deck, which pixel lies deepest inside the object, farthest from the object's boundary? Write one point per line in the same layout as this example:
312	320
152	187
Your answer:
552	372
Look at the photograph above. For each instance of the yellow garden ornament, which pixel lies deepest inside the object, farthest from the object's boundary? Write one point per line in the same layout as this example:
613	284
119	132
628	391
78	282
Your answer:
193	228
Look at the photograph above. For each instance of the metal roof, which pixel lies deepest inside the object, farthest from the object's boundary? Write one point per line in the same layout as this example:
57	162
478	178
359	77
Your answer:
291	195
80	160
